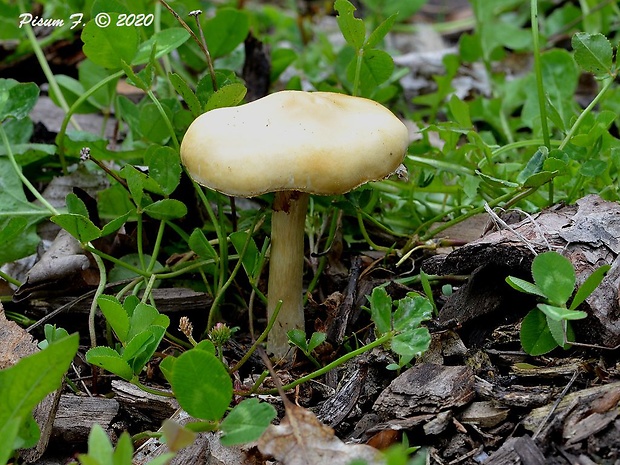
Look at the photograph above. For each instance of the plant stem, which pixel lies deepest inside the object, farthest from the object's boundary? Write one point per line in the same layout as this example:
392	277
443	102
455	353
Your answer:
36	47
156	392
542	100
367	238
339	361
81	99
258	341
9	279
156	246
358	72
93	306
474	211
608	82
24	180
164	116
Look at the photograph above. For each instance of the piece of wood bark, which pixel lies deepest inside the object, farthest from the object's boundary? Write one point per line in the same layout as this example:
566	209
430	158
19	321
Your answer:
77	414
515	451
426	388
586	233
515	395
167	300
485	414
336	408
138	402
599	399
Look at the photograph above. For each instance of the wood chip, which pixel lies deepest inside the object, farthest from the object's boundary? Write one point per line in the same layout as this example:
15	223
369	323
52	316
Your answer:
426	388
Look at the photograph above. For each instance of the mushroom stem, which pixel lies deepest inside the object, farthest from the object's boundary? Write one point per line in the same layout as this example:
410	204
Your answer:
286	264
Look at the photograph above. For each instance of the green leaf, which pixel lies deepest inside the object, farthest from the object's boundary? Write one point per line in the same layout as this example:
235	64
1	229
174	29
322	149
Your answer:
561	331
120	273
202	385
377	67
28	434
381	309
298	337
110	360
246	422
135	182
142	79
589	285
17	99
90	75
204	88
115	315
593	168
166	209
167	366
593	53
206	345
460	111
109	46
538	179
199	244
555	276
75	205
123	453
142	347
165	41
26	383
23	240
411	311
164	167
72	89
428	291
78	226
281	58
316	340
52	334
402	8
227	96
412	342
100	447
536	338
188	94
251	258
561	313
144	316
534	165
115	224
13	228
495	182
225	31
152	125
352	28
136	346
381	31
524	286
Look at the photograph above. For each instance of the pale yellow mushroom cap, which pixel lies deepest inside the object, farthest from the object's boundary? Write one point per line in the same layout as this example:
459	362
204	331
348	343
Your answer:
316	142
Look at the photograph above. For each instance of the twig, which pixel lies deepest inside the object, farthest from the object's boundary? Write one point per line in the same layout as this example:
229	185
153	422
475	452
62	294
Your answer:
499	222
68	305
555	405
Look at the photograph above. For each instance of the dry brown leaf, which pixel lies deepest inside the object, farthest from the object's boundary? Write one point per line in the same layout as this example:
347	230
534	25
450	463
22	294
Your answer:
63	263
301	439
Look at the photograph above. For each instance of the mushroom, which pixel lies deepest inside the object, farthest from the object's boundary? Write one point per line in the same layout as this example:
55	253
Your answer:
293	143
